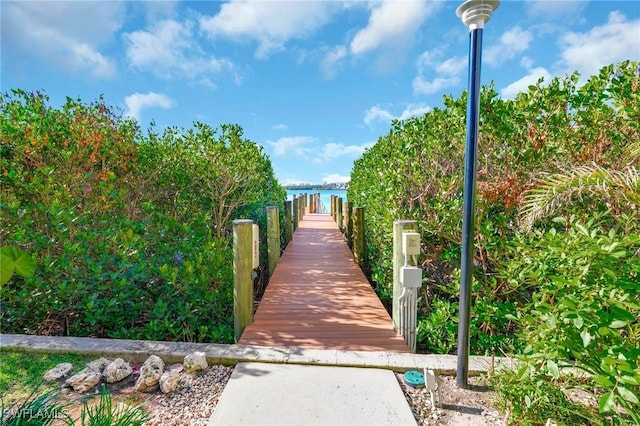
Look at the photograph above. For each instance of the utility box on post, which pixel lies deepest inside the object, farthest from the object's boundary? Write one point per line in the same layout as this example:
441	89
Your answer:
410	244
410	277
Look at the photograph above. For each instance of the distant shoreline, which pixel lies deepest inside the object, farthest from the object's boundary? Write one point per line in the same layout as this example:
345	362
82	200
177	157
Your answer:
319	187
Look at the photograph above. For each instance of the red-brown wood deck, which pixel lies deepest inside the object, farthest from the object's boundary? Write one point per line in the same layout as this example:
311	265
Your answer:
319	298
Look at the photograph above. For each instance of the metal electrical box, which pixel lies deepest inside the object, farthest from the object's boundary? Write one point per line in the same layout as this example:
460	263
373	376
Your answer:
411	276
410	243
256	246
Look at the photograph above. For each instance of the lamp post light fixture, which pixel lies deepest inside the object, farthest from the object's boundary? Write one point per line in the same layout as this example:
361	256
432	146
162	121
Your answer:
474	14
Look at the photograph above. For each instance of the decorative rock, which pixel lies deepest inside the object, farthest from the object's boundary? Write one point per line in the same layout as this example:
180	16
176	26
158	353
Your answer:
116	371
194	362
150	374
170	381
58	372
99	364
84	380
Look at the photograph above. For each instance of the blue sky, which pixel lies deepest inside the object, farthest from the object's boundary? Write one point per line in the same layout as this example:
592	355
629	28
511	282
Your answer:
314	82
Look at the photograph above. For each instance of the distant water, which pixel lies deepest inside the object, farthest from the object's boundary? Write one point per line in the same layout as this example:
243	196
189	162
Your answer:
325	195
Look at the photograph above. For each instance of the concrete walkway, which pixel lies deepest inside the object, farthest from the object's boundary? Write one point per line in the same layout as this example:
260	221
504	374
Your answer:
282	394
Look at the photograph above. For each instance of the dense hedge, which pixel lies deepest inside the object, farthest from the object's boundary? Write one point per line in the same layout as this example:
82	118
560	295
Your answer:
557	259
131	231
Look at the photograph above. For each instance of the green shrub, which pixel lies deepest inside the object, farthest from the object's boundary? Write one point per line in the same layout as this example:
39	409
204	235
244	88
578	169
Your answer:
131	232
531	398
105	414
557	149
585	308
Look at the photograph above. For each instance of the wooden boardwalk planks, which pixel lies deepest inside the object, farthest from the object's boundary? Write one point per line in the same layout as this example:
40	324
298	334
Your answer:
319	298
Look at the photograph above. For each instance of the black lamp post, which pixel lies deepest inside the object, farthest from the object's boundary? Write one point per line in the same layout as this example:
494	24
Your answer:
474	14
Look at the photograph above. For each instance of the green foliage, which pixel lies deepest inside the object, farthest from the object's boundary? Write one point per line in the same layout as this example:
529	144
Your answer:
21	373
531	399
104	414
561	292
131	232
561	148
38	409
15	260
584	312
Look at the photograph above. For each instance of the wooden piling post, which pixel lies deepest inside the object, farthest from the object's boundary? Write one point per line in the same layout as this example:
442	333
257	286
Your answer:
296	213
288	222
273	237
348	225
358	236
339	213
242	279
399	226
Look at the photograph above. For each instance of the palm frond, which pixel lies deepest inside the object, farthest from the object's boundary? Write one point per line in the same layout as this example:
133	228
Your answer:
554	191
631	154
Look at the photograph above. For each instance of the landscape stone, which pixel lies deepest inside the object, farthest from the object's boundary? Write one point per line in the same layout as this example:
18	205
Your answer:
58	372
84	380
170	381
195	361
99	364
150	374
116	371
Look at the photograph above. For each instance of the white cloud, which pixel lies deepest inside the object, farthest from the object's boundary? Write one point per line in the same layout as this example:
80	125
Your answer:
279	127
335	178
522	85
270	23
602	45
67	34
413	110
445	73
452	66
425	87
85	58
526	62
391	23
332	60
376	113
334	150
169	50
512	42
138	101
296	145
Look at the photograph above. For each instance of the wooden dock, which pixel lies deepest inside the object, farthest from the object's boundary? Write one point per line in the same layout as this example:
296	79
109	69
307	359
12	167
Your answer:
319	298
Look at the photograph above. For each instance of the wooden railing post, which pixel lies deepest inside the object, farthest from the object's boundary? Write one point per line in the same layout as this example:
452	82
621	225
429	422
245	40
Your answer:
242	279
348	225
273	237
339	213
331	209
399	226
288	222
358	236
296	213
